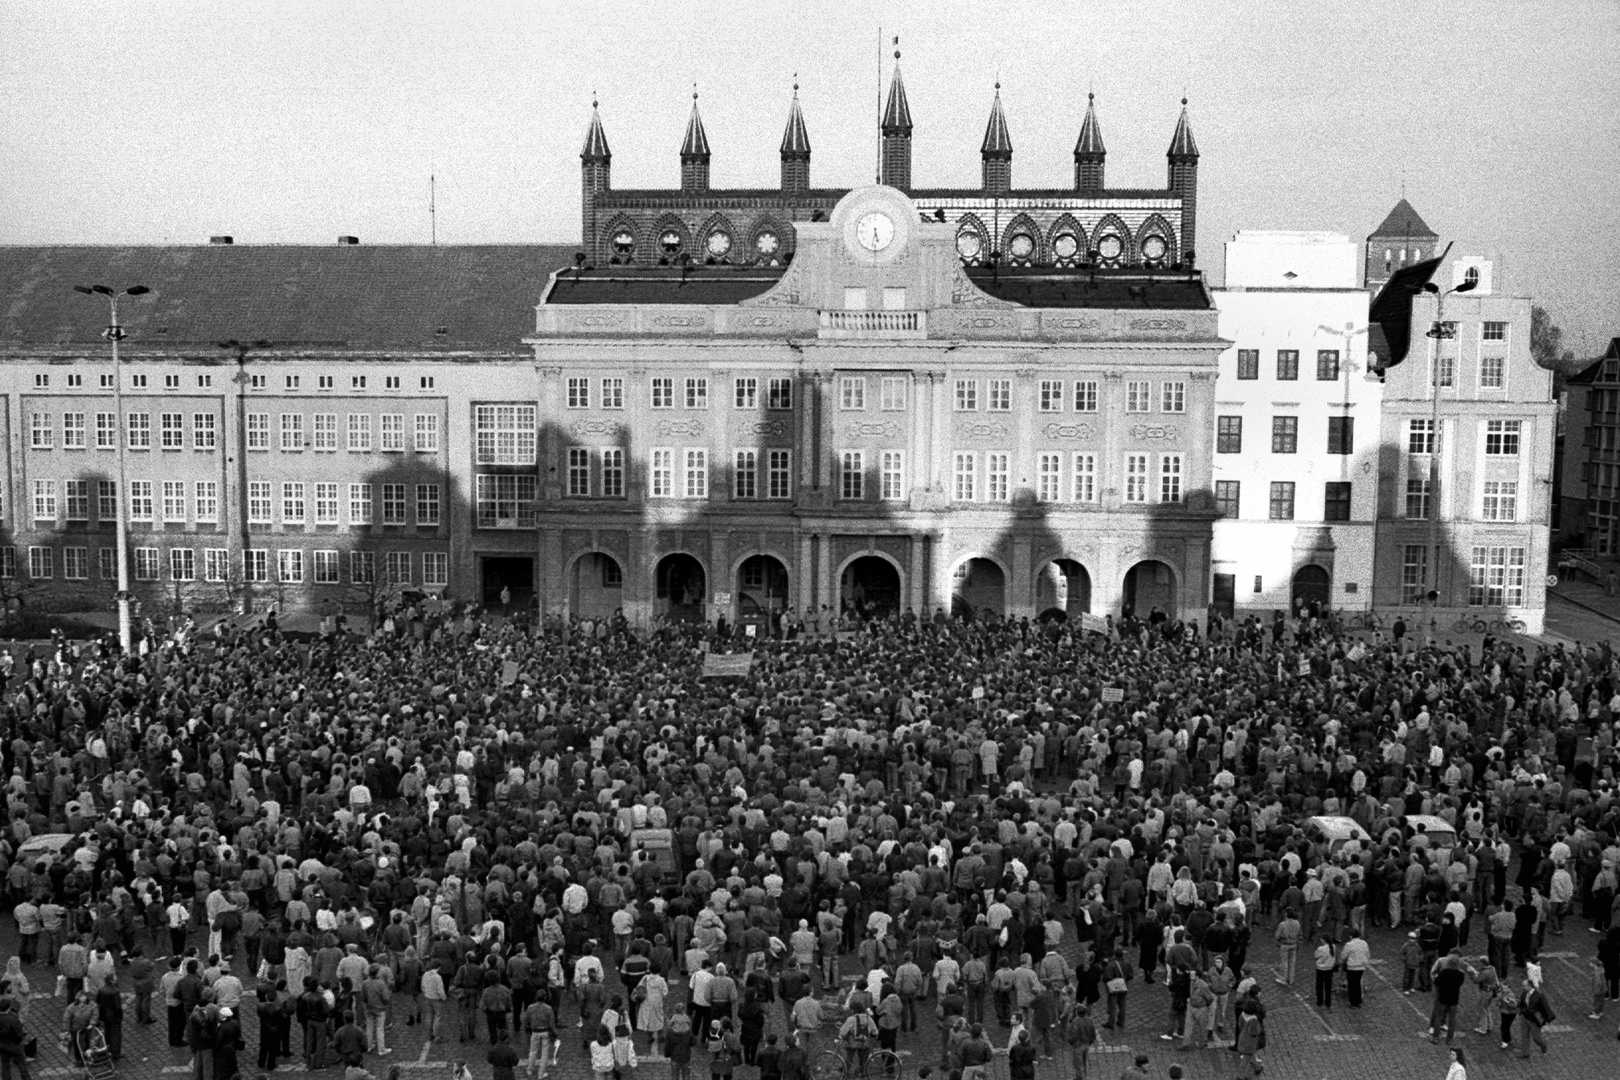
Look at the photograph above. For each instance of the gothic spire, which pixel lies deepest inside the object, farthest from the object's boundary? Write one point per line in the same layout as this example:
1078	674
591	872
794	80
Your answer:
596	144
997	142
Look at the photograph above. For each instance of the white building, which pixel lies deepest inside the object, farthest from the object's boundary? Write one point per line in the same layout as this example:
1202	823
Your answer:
1297	424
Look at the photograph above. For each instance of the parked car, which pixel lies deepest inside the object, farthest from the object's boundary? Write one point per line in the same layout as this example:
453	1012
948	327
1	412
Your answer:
1336	833
49	847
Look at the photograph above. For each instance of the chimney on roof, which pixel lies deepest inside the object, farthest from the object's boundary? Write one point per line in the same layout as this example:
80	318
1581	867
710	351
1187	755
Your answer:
348	241
224	241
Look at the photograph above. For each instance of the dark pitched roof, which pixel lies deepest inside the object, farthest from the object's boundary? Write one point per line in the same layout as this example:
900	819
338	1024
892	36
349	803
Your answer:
795	140
1181	143
696	143
482	296
596	144
1090	140
663	285
997	142
1403	221
897	115
1392	307
1042	287
1589	374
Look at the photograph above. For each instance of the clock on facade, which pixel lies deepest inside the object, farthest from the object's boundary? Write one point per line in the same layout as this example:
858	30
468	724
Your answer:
874	231
719	243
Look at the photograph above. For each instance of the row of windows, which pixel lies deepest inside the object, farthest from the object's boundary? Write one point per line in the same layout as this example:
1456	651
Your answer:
969	395
1327	364
745	392
392	435
1496	575
1492	371
138	380
1498	500
170	433
148	564
1335	500
1341	435
1501	437
176	502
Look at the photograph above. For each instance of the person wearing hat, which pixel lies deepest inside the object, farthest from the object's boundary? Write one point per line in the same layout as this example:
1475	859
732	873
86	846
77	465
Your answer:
227	1043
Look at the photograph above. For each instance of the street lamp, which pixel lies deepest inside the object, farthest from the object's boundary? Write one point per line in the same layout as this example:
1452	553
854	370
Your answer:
241	349
1439	331
115	333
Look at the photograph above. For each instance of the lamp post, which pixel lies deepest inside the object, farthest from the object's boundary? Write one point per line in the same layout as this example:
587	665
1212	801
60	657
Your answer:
240	350
1438	332
115	333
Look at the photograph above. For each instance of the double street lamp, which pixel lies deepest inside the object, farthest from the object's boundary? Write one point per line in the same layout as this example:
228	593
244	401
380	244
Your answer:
115	333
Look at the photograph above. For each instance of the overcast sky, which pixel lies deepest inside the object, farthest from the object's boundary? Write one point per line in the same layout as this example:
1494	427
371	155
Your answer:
295	122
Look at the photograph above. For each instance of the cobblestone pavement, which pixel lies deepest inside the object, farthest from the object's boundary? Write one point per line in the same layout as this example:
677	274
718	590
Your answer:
1383	1040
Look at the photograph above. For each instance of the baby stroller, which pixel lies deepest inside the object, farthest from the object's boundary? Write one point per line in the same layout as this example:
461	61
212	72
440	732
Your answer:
94	1057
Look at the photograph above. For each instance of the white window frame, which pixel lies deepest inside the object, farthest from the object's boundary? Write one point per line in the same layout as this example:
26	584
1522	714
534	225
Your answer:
695	472
1084	476
1048	477
1138	396
964	476
851	475
892	474
1050	396
1136	479
892	393
852	393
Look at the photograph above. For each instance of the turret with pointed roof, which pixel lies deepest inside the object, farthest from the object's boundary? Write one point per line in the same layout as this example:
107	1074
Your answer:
596	169
996	151
896	159
695	153
795	148
1183	181
1089	152
1401	240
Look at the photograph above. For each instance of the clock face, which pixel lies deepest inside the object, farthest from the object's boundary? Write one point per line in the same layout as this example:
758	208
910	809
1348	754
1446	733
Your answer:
719	243
874	231
1154	248
968	244
767	243
1065	246
1110	246
1022	246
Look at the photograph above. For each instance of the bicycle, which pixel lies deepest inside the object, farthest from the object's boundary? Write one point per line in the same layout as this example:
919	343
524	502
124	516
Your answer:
1510	624
844	1065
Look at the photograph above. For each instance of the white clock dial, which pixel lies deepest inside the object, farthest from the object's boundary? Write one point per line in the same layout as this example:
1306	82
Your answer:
874	231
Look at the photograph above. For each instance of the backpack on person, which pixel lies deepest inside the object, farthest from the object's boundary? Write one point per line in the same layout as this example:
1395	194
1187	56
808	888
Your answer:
861	1035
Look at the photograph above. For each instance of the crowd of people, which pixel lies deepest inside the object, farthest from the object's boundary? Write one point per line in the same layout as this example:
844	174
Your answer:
1006	833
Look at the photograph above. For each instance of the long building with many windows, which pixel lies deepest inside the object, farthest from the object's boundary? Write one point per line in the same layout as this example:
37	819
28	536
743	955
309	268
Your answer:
727	404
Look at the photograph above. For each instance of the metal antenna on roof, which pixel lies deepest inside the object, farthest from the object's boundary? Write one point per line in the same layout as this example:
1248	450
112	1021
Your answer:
877	173
433	213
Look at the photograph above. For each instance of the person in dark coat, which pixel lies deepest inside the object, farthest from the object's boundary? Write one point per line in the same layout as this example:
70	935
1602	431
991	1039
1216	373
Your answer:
227	1044
110	1011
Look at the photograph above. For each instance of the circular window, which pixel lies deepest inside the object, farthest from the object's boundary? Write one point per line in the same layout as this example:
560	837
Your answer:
670	241
767	243
1153	248
719	243
1065	246
1110	246
624	242
968	244
1022	246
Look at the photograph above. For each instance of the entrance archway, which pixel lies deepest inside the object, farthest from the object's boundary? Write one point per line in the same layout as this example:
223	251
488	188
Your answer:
762	593
1313	588
595	586
681	587
978	588
870	587
1063	590
1150	584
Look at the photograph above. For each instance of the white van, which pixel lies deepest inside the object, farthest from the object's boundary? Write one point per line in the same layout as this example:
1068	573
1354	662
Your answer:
1337	832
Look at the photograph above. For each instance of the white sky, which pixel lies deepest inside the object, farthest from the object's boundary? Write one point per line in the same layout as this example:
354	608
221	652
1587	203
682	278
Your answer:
293	122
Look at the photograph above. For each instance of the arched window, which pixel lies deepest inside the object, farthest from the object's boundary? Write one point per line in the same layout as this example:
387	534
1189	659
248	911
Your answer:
1472	275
